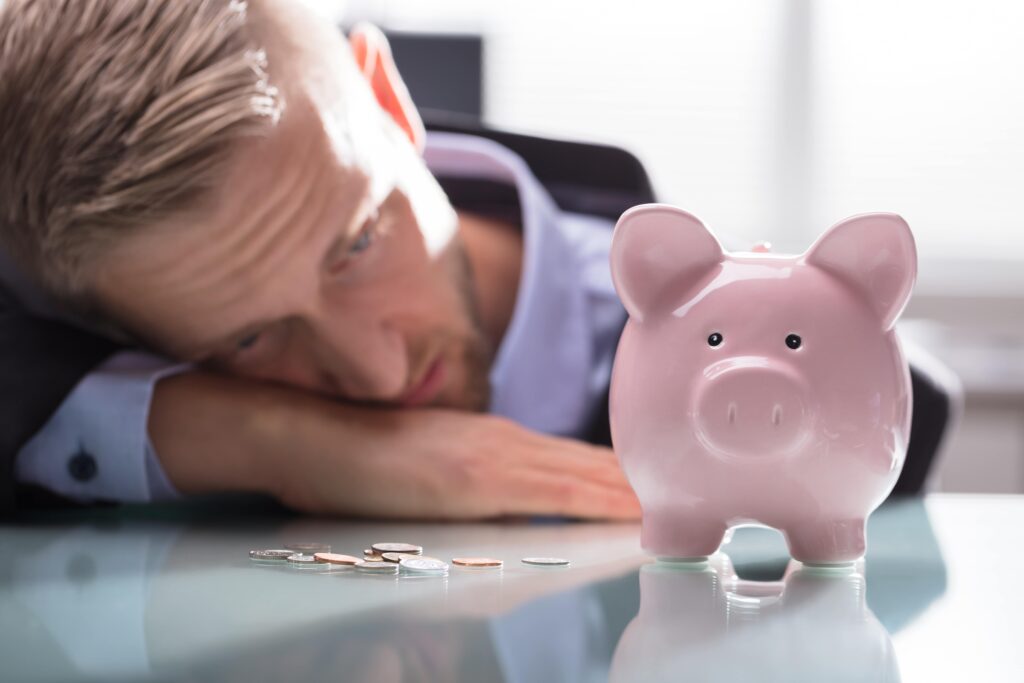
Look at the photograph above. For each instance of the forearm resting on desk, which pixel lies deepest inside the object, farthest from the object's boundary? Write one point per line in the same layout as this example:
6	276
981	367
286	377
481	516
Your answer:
219	433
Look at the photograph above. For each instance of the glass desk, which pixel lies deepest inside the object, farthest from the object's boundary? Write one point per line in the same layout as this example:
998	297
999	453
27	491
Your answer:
169	593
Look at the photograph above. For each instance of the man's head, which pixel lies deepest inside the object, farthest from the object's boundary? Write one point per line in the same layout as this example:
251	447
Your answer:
234	185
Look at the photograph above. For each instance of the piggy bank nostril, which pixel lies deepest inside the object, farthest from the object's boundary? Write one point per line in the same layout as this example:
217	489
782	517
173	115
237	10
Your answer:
732	413
776	415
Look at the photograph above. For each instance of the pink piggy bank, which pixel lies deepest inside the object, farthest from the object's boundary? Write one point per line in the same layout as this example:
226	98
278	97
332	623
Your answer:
759	388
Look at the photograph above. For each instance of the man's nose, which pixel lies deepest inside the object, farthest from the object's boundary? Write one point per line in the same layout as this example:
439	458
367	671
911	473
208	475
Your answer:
362	359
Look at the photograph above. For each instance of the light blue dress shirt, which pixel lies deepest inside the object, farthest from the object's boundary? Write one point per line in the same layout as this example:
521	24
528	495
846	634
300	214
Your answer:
550	372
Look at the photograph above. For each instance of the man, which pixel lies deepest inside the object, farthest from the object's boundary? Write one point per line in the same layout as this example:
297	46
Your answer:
242	192
266	222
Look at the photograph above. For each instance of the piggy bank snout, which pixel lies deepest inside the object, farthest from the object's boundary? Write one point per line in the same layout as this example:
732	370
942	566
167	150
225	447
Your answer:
752	409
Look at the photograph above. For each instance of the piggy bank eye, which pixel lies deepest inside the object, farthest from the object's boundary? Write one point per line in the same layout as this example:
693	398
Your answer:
715	339
793	341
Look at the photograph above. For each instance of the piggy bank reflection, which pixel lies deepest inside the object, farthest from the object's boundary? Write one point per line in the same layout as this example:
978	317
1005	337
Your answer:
760	388
699	622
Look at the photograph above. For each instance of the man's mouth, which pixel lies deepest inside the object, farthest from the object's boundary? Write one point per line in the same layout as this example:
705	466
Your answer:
427	387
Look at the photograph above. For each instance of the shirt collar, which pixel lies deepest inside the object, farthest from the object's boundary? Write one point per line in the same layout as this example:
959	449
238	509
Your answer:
541	373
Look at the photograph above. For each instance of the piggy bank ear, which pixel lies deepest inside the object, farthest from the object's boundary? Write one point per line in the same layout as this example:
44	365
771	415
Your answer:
875	252
658	252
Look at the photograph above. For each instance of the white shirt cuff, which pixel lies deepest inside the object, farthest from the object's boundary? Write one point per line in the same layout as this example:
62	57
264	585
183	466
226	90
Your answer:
96	446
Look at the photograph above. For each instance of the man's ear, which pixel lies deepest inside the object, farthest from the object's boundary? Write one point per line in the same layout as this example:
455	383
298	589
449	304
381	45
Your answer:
874	252
659	252
373	57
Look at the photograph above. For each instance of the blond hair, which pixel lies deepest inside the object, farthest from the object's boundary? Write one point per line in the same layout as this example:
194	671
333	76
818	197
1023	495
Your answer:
114	115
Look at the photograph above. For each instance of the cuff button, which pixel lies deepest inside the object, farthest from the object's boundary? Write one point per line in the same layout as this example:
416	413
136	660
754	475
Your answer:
82	467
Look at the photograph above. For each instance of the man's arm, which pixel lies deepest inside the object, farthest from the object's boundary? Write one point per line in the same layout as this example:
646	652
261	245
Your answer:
40	362
95	446
220	433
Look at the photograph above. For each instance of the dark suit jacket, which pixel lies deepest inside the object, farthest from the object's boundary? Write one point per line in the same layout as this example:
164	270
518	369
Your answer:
42	360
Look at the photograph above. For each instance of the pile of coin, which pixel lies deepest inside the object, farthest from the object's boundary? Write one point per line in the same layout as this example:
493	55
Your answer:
386	558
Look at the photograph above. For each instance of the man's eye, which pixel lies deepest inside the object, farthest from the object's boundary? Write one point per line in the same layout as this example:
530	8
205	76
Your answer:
248	341
366	236
362	243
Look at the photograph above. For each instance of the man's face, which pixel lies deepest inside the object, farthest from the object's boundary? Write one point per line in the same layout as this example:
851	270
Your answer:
330	259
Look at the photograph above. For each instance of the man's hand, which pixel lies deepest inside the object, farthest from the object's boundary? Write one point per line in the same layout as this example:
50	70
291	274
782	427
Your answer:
221	433
450	465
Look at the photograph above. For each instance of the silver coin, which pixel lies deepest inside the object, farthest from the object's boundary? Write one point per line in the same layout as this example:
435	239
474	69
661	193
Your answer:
423	565
308	548
301	560
377	567
391	547
270	555
546	561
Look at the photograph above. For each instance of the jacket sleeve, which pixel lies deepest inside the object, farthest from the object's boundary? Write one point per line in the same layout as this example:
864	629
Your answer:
41	361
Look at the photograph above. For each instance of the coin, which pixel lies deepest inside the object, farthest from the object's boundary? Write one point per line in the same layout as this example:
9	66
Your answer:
546	561
308	548
335	558
398	557
377	567
390	547
302	560
476	562
270	555
371	556
424	565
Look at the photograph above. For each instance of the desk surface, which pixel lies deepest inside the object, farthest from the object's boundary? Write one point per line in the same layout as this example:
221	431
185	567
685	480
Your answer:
170	594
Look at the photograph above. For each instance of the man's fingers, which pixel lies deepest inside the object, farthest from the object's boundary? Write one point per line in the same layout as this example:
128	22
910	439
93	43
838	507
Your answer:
543	493
599	465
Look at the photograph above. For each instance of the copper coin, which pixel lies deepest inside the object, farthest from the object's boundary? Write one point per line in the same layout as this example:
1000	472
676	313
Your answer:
335	558
476	562
390	547
371	556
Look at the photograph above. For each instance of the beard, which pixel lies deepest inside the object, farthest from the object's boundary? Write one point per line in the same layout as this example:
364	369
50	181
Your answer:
476	352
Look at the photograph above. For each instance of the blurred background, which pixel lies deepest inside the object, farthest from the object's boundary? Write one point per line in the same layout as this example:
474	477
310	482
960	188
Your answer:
772	120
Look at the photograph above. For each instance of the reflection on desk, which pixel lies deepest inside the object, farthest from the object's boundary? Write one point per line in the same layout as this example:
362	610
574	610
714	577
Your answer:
139	596
707	624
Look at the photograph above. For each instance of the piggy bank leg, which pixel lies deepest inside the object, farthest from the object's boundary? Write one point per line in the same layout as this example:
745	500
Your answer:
826	541
678	536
